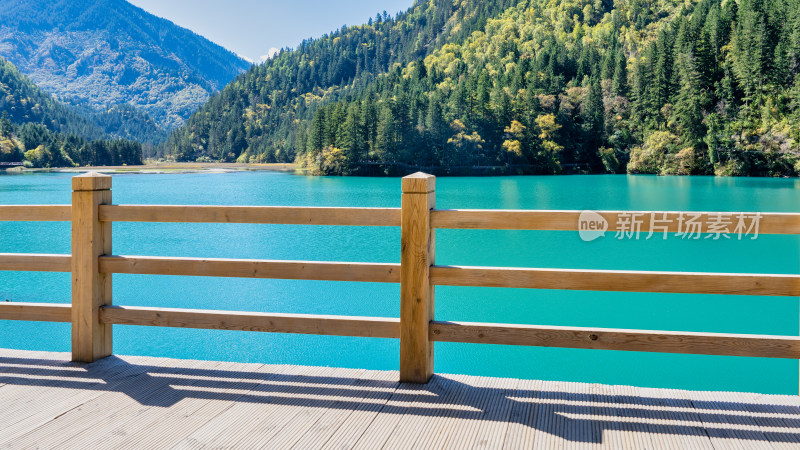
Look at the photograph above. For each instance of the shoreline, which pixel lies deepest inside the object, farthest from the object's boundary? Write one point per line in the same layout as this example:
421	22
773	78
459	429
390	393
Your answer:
168	167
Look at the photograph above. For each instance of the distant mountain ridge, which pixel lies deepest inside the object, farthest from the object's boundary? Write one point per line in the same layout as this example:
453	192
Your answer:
23	102
108	52
42	132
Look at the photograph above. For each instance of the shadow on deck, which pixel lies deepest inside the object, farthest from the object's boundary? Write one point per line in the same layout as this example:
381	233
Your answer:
51	402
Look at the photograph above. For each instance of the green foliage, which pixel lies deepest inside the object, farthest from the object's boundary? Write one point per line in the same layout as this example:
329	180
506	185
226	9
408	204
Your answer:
528	86
22	102
35	144
43	132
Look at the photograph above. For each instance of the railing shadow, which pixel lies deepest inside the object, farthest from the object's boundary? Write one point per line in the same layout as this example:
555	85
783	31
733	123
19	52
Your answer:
567	414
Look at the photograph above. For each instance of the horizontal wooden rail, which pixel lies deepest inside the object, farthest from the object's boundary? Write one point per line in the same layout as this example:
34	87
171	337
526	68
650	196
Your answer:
489	219
44	312
252	268
378	327
618	280
252	214
35	262
617	339
35	213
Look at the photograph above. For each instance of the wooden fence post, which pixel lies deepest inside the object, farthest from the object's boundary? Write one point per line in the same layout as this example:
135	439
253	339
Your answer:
91	238
416	291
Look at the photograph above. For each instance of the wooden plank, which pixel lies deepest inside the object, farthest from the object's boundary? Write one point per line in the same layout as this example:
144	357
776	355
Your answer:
145	402
40	401
41	312
255	416
136	425
345	387
619	280
472	405
739	430
521	427
91	288
389	416
282	422
756	345
659	419
658	221
103	412
781	429
494	422
453	405
360	419
416	291
291	215
338	414
686	413
252	268
252	321
414	422
35	262
35	213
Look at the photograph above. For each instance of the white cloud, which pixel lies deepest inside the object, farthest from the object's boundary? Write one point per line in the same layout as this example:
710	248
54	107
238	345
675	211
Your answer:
270	54
250	60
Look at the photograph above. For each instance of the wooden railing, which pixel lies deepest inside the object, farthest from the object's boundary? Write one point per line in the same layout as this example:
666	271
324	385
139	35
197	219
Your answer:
92	262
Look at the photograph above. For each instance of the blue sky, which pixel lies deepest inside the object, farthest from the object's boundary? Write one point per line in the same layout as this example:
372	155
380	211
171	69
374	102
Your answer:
252	28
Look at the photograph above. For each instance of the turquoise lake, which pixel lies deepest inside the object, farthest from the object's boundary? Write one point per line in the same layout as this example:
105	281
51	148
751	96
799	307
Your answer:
680	312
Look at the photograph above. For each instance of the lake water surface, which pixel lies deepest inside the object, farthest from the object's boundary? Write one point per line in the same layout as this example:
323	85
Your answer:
680	312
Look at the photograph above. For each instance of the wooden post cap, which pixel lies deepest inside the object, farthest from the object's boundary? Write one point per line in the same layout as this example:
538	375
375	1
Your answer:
91	181
419	183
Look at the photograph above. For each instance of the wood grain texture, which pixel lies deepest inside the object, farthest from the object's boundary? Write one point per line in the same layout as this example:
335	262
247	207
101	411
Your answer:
91	181
416	291
619	280
763	346
143	402
91	289
378	327
252	214
557	220
35	213
41	312
418	183
35	262
252	268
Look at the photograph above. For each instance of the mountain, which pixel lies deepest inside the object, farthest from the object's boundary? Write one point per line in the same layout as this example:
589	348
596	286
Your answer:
109	52
121	121
44	132
23	102
529	86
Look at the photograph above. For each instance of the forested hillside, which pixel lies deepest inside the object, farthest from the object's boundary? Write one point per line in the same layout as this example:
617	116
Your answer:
531	86
23	101
37	129
110	52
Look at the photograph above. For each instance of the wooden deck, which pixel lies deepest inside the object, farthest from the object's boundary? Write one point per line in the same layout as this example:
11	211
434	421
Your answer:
142	402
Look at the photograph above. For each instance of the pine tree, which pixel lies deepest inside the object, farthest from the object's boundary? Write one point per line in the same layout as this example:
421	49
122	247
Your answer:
747	52
688	114
385	141
316	138
619	84
594	111
352	142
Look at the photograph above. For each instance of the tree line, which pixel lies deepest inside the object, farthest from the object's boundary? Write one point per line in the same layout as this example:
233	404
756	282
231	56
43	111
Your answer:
37	146
707	87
